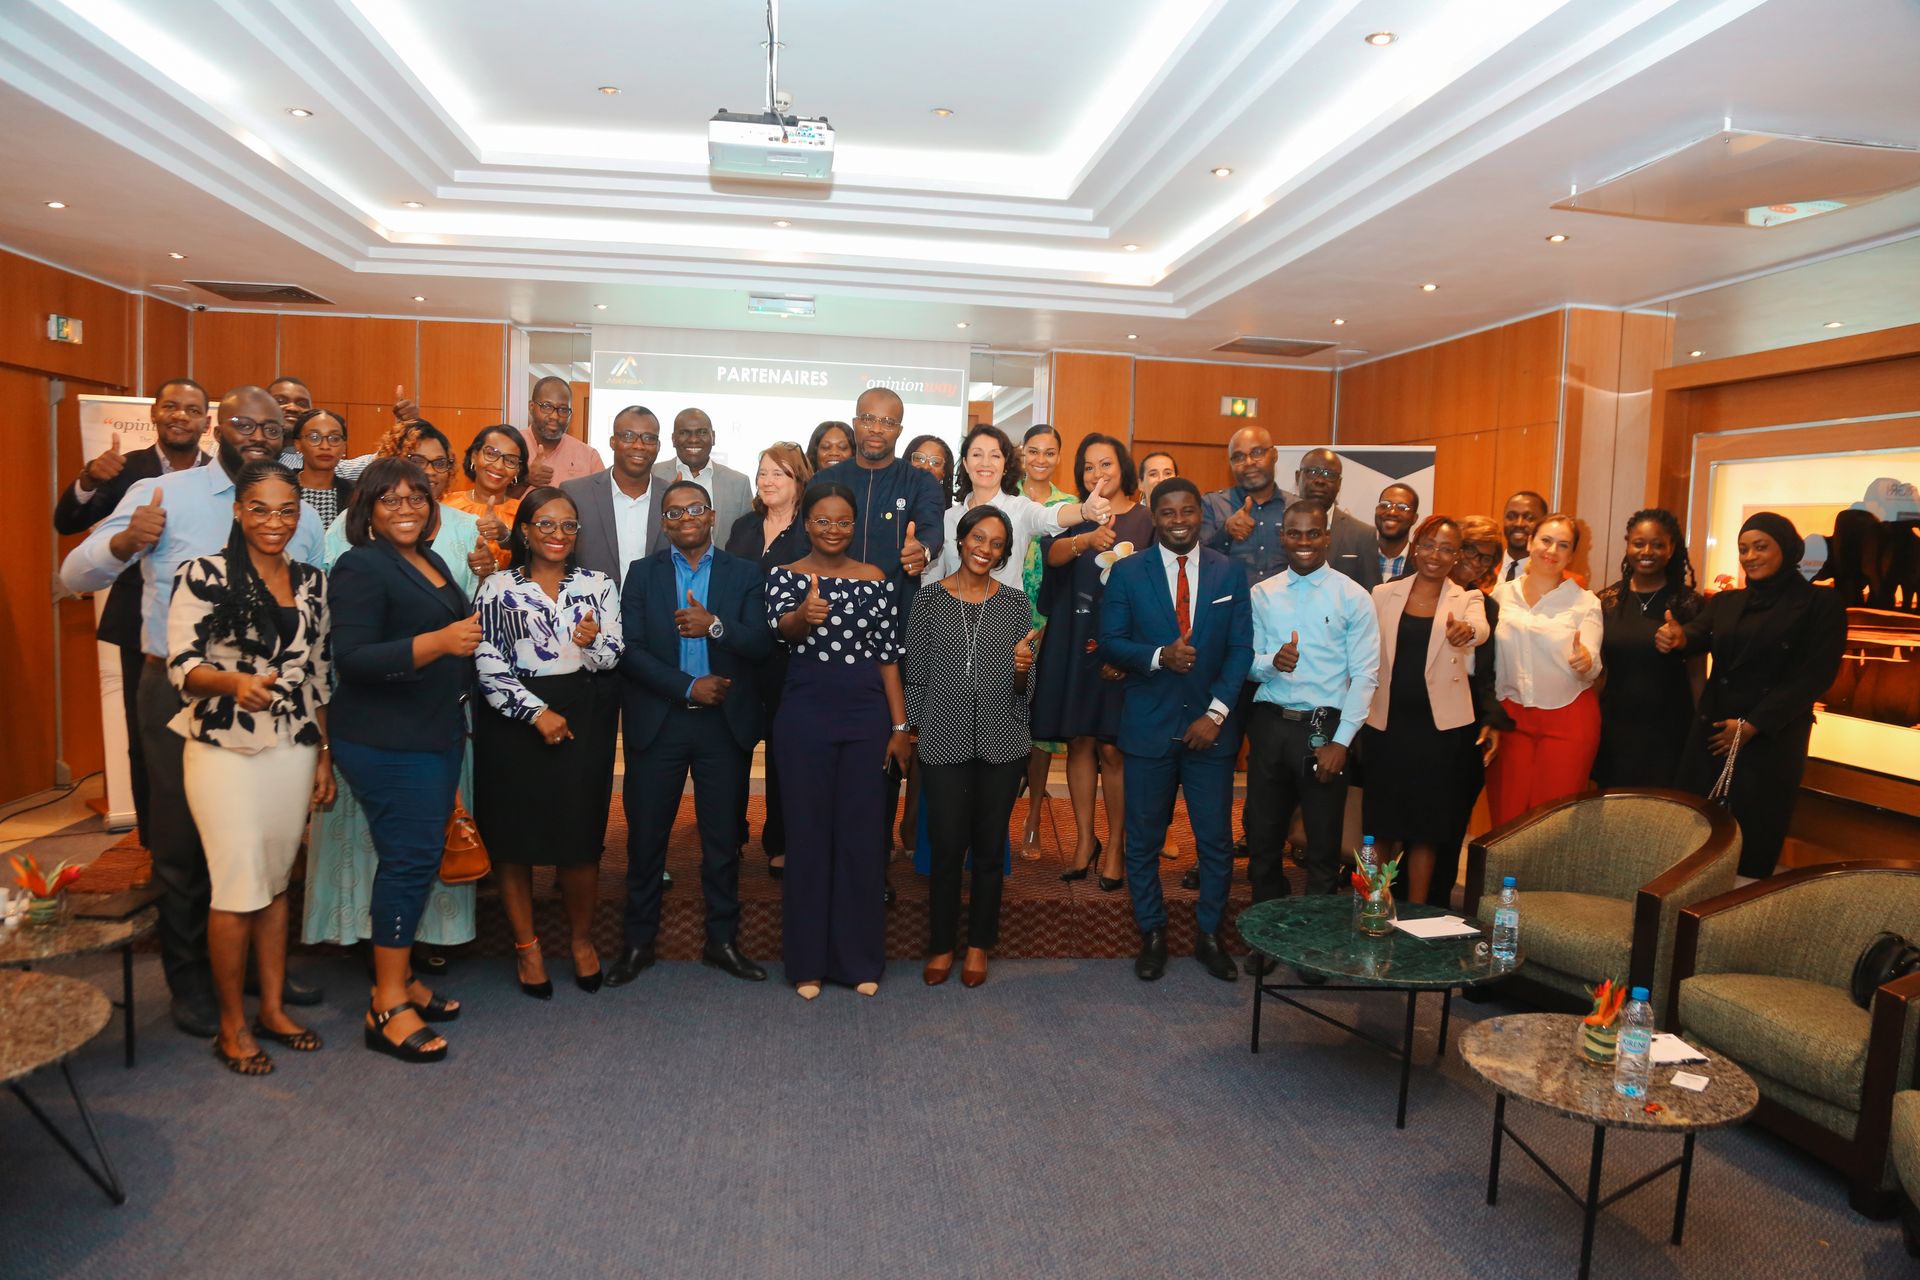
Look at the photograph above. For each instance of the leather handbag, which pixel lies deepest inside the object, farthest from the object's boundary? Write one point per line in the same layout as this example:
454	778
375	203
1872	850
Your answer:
1887	957
463	858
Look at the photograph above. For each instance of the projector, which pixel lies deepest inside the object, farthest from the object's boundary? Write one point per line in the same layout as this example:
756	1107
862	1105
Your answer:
770	146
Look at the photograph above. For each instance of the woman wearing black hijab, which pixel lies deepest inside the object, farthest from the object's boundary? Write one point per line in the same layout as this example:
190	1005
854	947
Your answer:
1776	647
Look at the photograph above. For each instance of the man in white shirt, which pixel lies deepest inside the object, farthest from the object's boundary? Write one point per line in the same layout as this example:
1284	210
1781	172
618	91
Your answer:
693	438
620	507
1524	512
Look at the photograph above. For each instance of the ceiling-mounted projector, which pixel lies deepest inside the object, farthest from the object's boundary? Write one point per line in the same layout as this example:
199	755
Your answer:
770	145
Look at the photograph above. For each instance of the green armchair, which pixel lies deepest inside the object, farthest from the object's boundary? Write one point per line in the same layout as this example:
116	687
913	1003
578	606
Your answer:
1762	974
1603	876
1904	1151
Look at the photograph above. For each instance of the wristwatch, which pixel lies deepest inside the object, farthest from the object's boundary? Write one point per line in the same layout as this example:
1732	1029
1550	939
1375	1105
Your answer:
1216	715
900	728
717	630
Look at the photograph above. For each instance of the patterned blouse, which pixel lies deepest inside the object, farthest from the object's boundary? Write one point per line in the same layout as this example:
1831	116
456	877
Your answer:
863	619
524	633
301	661
962	694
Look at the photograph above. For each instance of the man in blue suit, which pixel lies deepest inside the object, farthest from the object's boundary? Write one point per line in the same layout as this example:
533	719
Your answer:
1176	619
696	627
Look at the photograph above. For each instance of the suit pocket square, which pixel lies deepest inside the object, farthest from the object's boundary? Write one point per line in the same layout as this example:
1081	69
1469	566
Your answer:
1224	600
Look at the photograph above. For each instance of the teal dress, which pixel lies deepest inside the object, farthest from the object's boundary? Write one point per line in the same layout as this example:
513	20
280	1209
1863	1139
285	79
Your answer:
340	854
1030	576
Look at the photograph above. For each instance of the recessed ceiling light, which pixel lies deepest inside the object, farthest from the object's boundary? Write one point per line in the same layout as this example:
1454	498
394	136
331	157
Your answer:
1131	248
1381	39
609	89
1222	172
178	257
419	297
1558	237
299	113
961	324
1338	320
1696	354
781	223
56	204
1428	287
1132	336
599	306
943	112
412	204
1832	324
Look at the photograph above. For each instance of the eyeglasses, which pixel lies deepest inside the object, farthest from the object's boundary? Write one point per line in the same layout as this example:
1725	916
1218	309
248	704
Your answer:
1397	508
247	427
825	525
430	464
273	515
554	410
551	527
500	457
1320	473
633	437
1475	556
876	420
330	438
1441	549
692	511
926	460
411	501
1251	455
1304	535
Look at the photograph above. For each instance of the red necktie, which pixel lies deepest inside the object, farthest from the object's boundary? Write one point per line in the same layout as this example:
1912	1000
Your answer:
1182	607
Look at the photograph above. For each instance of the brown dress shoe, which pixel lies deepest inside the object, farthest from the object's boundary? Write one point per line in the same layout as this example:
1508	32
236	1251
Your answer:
972	977
936	972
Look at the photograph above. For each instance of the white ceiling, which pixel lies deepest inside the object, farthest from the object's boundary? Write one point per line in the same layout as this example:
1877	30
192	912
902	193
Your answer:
1079	127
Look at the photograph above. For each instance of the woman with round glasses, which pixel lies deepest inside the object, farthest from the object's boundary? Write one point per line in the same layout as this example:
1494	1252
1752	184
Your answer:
320	437
340	848
494	462
1422	724
543	743
931	455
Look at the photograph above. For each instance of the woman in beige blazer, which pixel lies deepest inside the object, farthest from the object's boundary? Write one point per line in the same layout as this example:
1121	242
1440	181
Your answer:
1423	714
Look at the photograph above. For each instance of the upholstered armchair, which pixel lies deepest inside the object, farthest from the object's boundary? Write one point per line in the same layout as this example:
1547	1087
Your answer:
1602	877
1904	1151
1762	974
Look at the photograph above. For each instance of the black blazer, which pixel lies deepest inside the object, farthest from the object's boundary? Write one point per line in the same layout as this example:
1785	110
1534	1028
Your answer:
1769	665
379	604
747	539
736	595
120	620
598	547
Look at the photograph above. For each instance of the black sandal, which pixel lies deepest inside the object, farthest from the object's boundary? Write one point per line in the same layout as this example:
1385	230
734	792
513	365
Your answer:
255	1064
409	1050
302	1041
438	1009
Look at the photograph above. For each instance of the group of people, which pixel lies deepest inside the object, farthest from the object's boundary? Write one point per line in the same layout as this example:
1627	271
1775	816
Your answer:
312	635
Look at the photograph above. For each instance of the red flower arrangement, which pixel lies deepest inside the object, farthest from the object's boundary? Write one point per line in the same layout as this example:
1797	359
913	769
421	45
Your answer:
27	872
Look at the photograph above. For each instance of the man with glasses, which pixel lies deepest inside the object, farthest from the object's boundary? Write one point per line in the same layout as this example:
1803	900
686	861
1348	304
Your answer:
695	622
1242	521
1352	548
619	506
692	459
179	415
160	523
557	456
1393	519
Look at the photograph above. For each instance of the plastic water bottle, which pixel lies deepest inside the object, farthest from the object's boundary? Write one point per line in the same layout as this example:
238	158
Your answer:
1367	859
1633	1063
1506	924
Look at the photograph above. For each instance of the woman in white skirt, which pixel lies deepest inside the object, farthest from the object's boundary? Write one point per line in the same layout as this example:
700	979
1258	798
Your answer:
247	645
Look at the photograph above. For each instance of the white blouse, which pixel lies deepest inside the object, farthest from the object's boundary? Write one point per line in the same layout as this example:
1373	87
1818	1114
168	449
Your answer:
1534	644
524	633
1030	520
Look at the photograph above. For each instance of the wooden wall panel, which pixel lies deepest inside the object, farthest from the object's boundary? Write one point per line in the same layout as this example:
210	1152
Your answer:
31	291
26	607
81	745
1180	400
1523	459
1646	346
1530	364
1592	412
1463	467
1204	464
1090	393
462	364
366	423
163	343
234	349
462	425
349	359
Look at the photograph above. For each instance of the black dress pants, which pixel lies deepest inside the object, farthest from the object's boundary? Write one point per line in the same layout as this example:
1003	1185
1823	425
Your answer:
1280	779
133	663
179	861
968	807
691	740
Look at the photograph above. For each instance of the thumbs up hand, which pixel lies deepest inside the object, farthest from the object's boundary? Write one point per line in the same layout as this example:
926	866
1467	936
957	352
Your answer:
1180	655
460	639
105	467
814	608
492	527
254	692
1023	654
404	410
1459	634
1097	508
1580	660
587	630
480	559
144	527
1288	656
694	620
1670	636
913	556
1240	525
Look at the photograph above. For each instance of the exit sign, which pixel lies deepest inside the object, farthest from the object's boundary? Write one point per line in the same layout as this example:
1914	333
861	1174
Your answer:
1239	407
63	329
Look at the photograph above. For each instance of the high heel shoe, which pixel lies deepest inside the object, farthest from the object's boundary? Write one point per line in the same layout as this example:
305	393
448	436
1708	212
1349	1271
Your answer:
589	982
1109	886
544	990
1080	872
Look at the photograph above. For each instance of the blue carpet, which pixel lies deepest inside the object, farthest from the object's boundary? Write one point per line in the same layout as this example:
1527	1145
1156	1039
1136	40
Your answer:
1064	1120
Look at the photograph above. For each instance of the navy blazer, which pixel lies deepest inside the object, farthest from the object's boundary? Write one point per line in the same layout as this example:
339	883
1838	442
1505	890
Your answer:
120	618
651	595
1137	619
379	603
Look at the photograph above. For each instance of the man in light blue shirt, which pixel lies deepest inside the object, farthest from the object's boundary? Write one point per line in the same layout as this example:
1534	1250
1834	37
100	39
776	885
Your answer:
1316	660
161	523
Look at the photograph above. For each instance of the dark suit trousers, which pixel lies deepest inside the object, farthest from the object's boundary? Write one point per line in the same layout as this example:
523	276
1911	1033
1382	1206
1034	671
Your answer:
132	666
1207	780
1277	783
968	805
696	740
179	861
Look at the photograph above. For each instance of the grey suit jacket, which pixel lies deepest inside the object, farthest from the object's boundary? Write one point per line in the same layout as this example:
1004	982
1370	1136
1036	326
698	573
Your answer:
1354	549
732	492
598	547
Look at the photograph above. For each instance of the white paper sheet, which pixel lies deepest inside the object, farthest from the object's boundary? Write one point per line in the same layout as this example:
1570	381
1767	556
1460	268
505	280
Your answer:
1671	1051
1437	927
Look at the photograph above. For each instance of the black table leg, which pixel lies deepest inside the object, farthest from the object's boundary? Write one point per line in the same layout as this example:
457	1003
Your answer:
104	1177
1406	1058
1257	983
1680	1198
1592	1202
1499	1131
126	998
1446	1011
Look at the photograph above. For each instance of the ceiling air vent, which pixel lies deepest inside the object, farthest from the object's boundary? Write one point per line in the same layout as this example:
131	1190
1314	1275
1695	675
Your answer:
1275	346
248	291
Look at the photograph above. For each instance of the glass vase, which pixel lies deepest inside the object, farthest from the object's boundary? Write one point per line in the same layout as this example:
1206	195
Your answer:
1599	1045
46	913
1376	914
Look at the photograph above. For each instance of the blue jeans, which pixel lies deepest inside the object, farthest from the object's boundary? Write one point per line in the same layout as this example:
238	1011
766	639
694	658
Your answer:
407	797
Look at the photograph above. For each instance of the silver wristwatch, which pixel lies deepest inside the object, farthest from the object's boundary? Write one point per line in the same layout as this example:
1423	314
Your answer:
717	630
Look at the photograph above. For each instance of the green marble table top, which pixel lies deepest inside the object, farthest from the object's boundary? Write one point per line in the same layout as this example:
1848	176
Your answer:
1315	935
